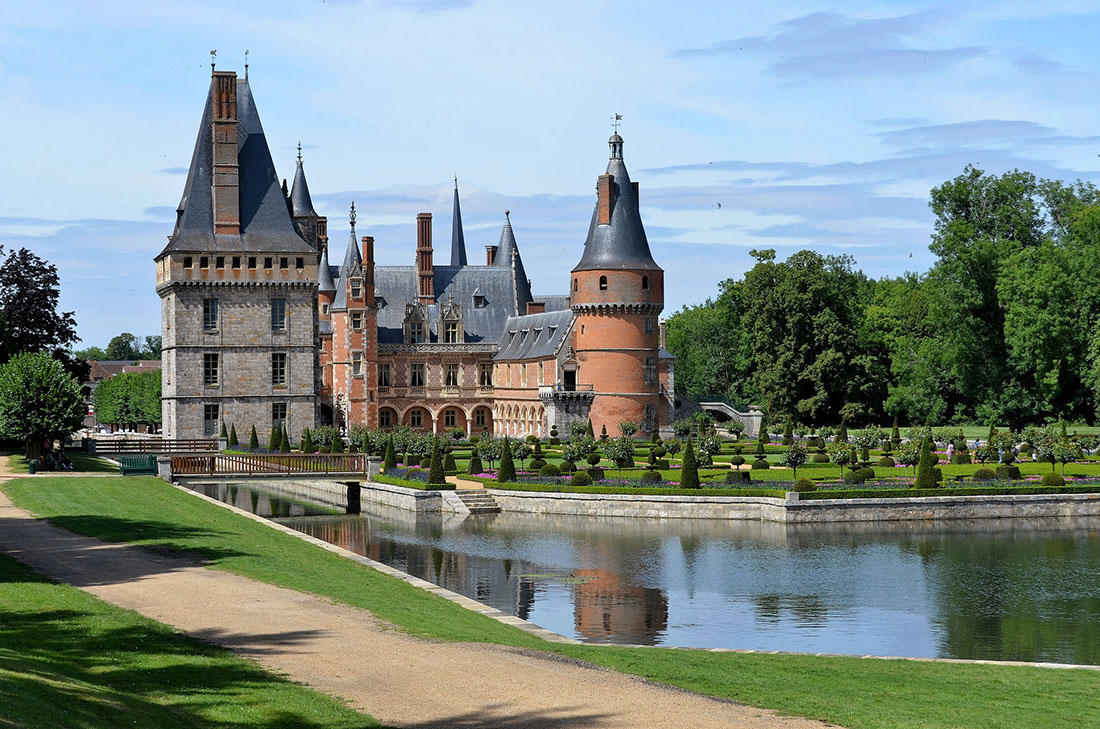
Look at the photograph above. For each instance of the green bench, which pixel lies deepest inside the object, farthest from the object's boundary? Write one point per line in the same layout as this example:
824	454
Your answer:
137	465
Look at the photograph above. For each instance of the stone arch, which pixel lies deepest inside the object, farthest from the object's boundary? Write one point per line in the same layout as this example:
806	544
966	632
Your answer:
394	416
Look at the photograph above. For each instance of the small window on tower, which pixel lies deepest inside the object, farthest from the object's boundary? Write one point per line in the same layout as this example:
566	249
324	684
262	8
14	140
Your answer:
357	363
187	261
278	315
356	288
574	284
219	262
300	263
236	261
284	262
479	302
204	262
267	262
603	283
645	282
252	261
356	320
649	325
324	309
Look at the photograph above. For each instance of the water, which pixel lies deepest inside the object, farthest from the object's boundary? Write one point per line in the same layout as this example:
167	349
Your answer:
1019	589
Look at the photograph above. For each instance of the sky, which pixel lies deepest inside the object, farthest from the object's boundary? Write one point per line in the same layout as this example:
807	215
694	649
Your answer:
748	125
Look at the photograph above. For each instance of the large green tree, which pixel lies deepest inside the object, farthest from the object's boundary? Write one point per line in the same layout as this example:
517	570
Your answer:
130	398
39	400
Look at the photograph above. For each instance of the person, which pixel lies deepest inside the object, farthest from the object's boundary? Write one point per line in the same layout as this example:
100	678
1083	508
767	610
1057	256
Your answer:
950	451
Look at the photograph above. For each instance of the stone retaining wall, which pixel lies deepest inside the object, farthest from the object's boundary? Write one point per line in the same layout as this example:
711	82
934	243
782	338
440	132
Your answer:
641	505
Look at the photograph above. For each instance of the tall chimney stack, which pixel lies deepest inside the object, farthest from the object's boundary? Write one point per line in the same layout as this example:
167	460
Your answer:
605	195
424	266
227	197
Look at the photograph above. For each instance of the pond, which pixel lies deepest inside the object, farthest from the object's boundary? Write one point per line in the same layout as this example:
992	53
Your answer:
1012	589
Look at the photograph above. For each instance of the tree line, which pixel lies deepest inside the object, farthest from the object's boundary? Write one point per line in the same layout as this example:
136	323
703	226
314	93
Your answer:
1005	326
123	348
129	398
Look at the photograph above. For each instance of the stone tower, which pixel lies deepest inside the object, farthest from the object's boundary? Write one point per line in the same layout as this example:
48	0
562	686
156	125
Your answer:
617	293
238	285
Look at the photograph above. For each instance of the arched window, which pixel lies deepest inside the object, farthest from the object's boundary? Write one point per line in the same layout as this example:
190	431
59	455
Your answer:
645	282
603	283
574	284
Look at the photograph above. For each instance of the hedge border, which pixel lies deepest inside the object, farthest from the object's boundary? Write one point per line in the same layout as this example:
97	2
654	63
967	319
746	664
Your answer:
625	490
966	491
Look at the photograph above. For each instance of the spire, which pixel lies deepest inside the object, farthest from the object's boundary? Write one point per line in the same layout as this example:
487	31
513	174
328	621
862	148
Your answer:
508	256
352	258
616	237
325	284
301	206
458	241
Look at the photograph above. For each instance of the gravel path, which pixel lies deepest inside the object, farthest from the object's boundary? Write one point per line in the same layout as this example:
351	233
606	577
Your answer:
345	651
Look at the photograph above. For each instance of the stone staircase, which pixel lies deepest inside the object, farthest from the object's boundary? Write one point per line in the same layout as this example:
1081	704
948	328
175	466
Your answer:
478	501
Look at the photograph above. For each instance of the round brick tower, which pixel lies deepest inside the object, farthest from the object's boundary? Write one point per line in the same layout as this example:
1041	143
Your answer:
617	293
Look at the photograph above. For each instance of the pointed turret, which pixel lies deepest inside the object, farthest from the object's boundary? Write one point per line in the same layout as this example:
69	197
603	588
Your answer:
353	261
301	205
458	240
507	255
325	284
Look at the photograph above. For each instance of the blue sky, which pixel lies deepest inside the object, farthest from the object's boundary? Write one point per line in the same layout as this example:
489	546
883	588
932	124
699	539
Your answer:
812	125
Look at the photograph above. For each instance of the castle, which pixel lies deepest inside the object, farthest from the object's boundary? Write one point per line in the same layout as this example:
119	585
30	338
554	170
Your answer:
262	326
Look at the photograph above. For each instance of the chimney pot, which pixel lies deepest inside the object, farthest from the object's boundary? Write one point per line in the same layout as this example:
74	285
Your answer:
490	254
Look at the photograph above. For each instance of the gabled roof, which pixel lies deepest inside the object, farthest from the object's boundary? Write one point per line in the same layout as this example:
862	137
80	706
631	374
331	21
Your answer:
534	336
507	254
458	240
622	244
301	205
265	220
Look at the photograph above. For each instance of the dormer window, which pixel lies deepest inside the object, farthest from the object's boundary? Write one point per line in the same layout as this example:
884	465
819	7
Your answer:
356	288
416	332
450	332
479	301
187	261
603	283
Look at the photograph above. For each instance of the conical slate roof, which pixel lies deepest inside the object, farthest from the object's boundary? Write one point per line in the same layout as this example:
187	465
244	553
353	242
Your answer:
458	240
508	255
353	260
622	244
300	203
265	220
325	283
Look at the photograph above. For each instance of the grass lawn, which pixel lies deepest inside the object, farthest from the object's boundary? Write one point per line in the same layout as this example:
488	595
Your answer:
82	463
70	660
852	692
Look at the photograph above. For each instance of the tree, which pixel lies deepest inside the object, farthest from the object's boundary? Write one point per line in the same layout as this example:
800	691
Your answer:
29	319
736	427
337	445
233	442
926	467
795	456
628	428
284	441
152	347
90	354
306	446
124	347
689	471
908	454
619	451
507	470
390	462
129	398
1064	452
275	438
521	449
253	440
840	454
436	477
39	400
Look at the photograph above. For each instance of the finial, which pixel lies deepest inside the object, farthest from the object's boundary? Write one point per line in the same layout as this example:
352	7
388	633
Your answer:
246	65
616	121
352	213
213	55
456	180
299	152
506	218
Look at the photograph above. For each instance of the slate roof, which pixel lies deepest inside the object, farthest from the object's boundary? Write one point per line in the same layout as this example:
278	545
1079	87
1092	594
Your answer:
458	240
301	205
265	220
621	245
353	263
554	302
325	283
504	260
533	335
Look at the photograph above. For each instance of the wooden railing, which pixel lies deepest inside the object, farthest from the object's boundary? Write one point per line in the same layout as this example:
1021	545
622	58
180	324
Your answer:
255	464
155	445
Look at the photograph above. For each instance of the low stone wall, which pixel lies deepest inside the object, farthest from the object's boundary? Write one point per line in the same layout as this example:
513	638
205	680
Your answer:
333	494
421	502
793	511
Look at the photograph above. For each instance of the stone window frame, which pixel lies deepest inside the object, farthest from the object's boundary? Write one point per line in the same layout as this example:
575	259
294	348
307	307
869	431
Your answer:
284	263
450	417
649	325
210	424
485	375
280	374
416	418
211	369
649	424
542	378
356	320
650	369
211	316
276	408
452	368
278	315
479	417
452	332
384	378
357	364
384	419
603	283
356	285
416	332
418	371
268	264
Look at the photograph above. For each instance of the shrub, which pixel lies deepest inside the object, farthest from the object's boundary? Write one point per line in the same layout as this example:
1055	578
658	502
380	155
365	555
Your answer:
324	449
886	462
593	459
555	440
854	477
532	439
507	470
425	461
867	473
449	464
1008	457
984	474
1008	472
651	477
689	470
804	485
661	464
926	470
580	479
568	467
391	455
820	458
549	469
475	465
595	473
737	462
536	464
253	440
284	442
962	459
1053	480
435	466
760	463
233	443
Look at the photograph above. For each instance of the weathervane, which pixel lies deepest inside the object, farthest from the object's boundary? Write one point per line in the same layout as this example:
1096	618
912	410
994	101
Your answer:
616	121
352	213
213	54
299	151
246	65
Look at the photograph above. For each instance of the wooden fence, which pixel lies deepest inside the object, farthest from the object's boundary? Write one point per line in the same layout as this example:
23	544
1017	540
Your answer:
254	464
153	445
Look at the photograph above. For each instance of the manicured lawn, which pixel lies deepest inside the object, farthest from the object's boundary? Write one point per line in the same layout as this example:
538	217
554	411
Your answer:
82	463
855	693
70	660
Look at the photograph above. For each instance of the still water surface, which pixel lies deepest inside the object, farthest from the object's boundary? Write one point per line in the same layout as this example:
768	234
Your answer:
1019	589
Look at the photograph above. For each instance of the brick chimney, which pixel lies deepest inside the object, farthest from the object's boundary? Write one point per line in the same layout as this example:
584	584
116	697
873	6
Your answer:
425	270
227	196
368	268
536	307
490	254
661	329
605	195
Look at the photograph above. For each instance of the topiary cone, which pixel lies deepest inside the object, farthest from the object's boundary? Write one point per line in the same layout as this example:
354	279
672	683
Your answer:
253	440
507	470
391	455
233	443
689	470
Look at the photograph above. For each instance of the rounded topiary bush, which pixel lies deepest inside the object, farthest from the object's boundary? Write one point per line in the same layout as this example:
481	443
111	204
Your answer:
803	485
661	464
595	473
1053	480
886	462
537	464
854	477
549	469
568	467
760	463
555	440
1008	457
962	459
1007	472
426	462
580	479
737	461
820	458
651	477
532	439
867	473
984	474
593	459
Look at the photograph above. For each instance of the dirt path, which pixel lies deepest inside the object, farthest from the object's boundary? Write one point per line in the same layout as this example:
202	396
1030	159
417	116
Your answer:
345	651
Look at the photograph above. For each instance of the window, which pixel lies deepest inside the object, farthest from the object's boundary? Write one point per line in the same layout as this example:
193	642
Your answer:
603	283
356	288
645	282
450	332
210	369
278	369
574	284
383	374
356	320
541	379
252	261
649	325
219	262
416	419
187	261
357	364
236	261
479	301
210	419
452	374
267	262
416	374
300	262
209	315
449	418
523	375
324	309
278	415
650	371
486	378
650	423
385	418
284	262
416	332
204	262
479	417
278	315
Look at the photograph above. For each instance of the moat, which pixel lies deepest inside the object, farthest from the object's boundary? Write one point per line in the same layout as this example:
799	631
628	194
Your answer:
1015	589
